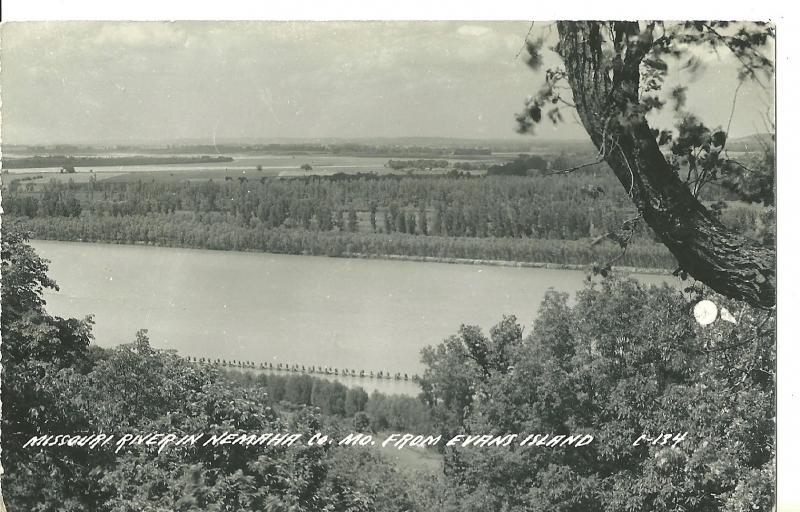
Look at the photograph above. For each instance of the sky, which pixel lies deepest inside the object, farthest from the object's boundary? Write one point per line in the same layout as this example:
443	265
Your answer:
104	82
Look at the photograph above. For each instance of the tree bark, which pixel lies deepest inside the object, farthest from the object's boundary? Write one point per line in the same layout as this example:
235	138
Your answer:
605	89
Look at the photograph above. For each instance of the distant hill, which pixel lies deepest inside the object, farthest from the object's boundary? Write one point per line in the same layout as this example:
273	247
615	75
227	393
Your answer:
511	145
754	142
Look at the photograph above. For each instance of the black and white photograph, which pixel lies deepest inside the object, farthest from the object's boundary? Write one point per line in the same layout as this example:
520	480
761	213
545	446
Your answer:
389	265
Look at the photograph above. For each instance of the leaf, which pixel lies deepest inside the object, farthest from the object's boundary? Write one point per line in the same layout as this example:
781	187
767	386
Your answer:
718	138
536	113
658	64
678	94
534	49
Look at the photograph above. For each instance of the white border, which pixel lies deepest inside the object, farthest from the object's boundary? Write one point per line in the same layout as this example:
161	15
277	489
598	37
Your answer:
377	9
787	105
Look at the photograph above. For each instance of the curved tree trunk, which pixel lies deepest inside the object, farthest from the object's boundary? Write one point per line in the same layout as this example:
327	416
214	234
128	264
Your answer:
606	94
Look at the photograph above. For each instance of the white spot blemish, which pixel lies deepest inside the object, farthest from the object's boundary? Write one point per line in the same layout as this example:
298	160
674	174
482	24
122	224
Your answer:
726	315
705	312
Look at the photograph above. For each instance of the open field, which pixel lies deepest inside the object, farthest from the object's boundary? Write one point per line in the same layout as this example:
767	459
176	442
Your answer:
410	459
69	161
249	166
38	178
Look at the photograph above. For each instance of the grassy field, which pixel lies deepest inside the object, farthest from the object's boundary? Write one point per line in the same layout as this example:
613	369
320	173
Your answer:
171	175
409	459
38	178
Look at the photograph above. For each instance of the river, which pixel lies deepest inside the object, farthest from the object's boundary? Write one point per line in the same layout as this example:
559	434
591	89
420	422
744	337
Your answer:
343	313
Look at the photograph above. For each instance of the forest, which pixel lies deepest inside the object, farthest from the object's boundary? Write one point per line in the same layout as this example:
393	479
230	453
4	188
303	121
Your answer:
575	219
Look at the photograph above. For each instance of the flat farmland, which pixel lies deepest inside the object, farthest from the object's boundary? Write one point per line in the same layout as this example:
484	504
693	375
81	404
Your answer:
251	167
39	177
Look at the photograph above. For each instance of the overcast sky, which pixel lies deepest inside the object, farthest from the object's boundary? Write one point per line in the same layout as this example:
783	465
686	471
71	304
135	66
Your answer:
159	81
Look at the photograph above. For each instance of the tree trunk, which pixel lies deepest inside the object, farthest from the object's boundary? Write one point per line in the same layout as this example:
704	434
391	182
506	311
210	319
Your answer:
606	95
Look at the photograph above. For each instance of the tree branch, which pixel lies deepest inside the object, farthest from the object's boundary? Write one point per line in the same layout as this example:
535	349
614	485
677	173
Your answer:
606	97
573	169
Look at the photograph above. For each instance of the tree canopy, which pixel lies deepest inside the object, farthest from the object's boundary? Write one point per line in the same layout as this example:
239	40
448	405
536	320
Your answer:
615	72
623	361
55	382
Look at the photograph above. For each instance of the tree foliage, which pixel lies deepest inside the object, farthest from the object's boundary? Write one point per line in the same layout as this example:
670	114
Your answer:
623	361
615	72
55	382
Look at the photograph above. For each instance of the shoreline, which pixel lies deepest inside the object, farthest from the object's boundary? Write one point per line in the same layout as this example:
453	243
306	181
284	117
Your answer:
393	257
500	263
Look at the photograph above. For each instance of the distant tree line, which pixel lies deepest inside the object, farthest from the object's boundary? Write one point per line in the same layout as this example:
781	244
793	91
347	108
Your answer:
520	166
418	164
564	207
70	162
549	219
217	231
376	412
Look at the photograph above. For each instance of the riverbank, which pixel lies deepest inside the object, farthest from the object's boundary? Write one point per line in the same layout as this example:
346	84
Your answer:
370	380
393	257
180	231
505	263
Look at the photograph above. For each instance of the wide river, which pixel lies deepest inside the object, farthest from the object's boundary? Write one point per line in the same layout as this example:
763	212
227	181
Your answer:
343	313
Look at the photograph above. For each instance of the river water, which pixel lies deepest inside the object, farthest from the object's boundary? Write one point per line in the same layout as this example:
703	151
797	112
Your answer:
358	314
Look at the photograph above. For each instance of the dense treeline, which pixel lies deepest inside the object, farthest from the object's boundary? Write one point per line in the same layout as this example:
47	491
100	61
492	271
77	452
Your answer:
542	219
520	166
620	361
218	231
379	411
431	164
405	147
418	164
565	207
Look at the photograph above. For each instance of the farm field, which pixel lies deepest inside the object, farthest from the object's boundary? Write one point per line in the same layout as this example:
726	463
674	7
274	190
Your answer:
246	165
